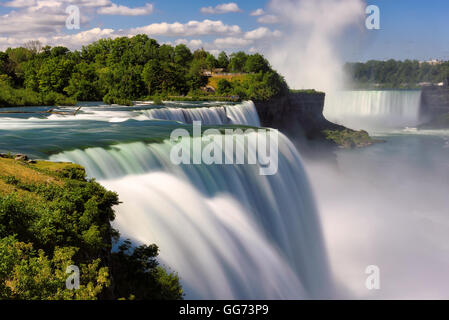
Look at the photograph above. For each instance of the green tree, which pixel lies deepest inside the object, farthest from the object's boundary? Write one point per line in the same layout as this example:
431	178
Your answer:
27	274
152	77
223	60
137	273
183	55
195	78
167	53
224	86
256	63
3	62
83	85
211	62
238	61
54	75
200	55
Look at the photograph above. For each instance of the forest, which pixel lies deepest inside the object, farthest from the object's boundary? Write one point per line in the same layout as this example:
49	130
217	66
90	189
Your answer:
392	74
124	69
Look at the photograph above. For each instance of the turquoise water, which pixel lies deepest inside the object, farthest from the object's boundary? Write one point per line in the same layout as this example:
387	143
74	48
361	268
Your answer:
40	134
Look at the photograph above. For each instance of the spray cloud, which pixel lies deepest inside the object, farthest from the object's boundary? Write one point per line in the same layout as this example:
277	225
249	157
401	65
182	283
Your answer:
307	54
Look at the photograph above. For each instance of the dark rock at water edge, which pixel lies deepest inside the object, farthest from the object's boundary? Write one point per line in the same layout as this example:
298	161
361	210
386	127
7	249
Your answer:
299	115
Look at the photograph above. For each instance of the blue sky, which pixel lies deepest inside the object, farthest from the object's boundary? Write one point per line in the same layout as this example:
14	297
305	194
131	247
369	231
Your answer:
409	29
414	29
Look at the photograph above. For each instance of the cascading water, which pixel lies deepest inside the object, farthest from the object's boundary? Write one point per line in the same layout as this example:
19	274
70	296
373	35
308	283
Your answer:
244	113
374	109
229	232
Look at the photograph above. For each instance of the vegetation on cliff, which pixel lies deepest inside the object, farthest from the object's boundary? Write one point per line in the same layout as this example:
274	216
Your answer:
348	138
51	217
124	69
306	91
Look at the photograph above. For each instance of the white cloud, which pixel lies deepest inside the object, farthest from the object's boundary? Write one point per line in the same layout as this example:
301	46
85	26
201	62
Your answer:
181	41
268	19
114	9
250	38
232	43
193	44
48	34
257	13
82	38
48	17
191	28
45	20
19	3
222	8
43	17
72	41
261	33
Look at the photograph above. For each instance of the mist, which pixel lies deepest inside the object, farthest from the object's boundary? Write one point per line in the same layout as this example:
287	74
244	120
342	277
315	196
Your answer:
387	205
308	53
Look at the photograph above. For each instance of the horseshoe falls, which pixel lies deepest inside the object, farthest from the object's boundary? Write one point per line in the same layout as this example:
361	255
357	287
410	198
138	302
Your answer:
228	231
374	109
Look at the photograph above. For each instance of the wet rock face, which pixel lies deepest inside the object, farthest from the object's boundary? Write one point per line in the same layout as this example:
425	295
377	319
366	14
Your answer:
296	114
435	100
300	116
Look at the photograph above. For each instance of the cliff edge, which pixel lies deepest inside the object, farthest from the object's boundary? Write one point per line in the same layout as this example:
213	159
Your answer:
299	115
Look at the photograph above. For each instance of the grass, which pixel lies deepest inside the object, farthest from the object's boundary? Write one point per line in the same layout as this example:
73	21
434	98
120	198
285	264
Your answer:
213	81
308	91
14	173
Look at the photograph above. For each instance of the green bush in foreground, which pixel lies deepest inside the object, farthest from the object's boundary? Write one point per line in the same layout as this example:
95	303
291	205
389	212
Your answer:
52	217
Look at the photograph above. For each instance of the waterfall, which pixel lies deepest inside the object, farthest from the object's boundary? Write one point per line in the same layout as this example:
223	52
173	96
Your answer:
244	113
229	232
374	109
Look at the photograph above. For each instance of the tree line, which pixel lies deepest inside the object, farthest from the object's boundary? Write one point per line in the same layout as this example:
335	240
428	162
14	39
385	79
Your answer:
397	74
124	69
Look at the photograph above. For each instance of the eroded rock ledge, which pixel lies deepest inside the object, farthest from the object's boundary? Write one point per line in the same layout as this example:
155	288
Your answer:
299	115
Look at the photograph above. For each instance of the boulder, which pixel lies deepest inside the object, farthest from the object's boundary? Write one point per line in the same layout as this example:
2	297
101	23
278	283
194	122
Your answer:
21	157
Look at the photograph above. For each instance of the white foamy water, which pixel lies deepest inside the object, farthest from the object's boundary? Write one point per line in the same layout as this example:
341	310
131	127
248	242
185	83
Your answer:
244	114
229	232
374	109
